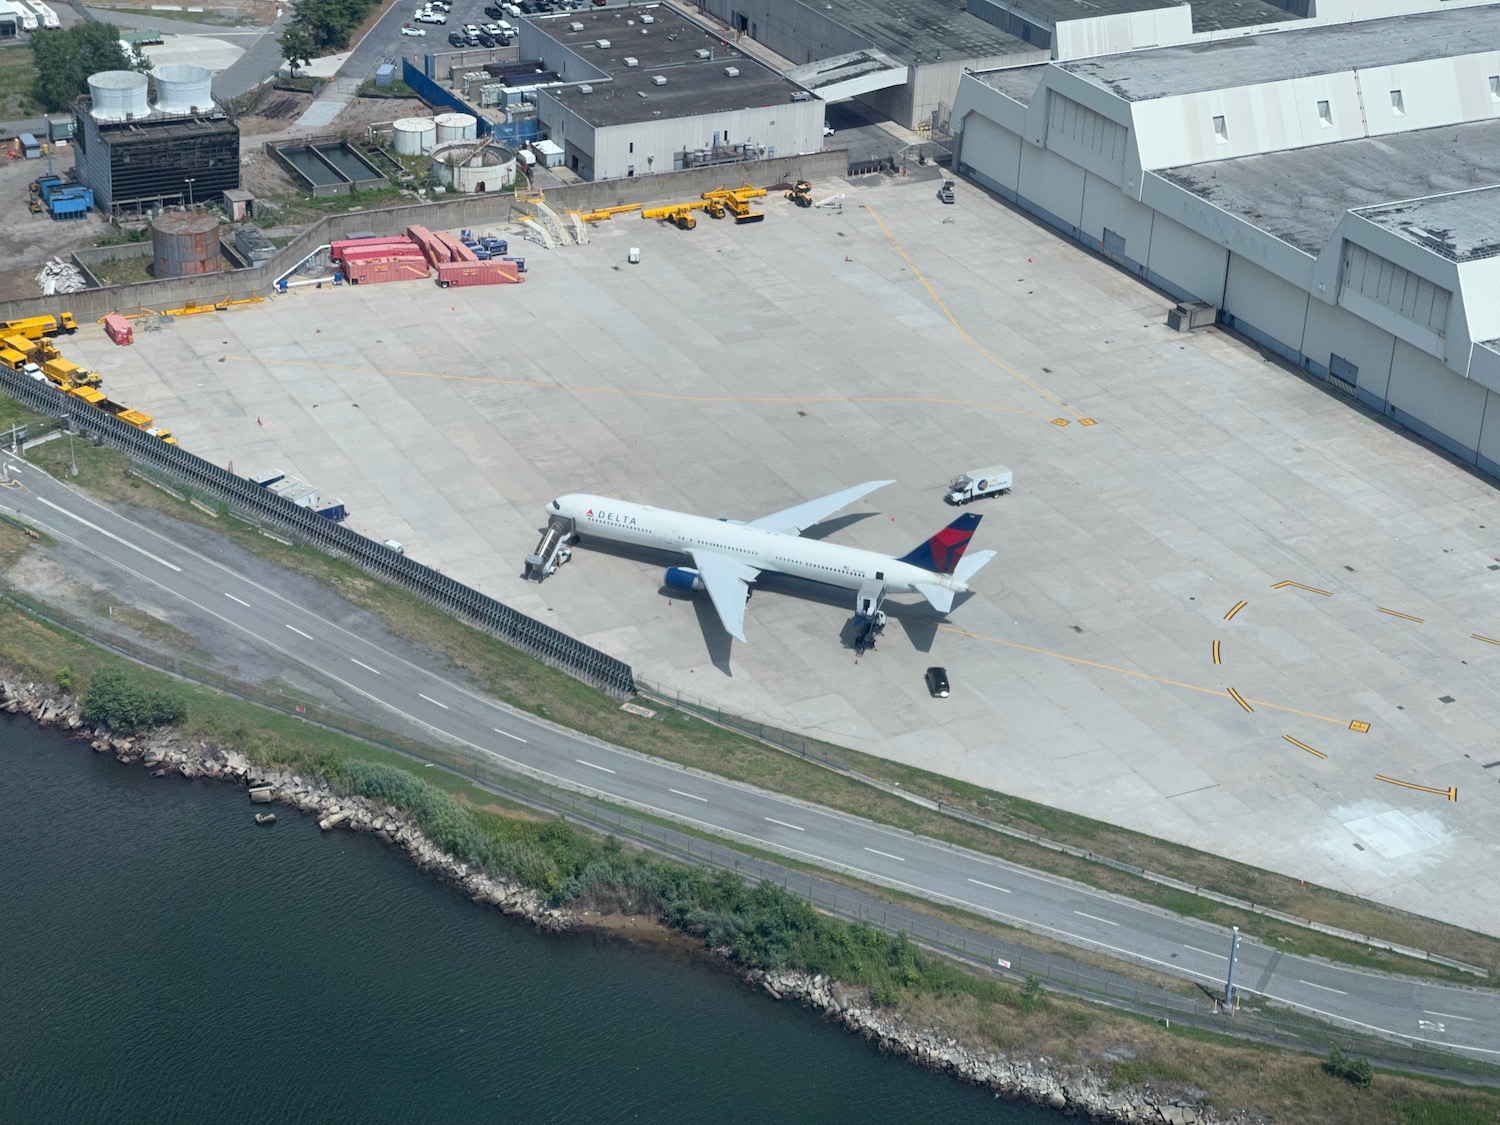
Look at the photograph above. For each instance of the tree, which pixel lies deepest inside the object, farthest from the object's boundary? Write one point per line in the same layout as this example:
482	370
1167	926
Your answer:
297	46
116	700
64	60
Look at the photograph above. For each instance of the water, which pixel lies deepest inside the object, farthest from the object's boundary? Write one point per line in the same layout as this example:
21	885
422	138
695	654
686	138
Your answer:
309	165
163	959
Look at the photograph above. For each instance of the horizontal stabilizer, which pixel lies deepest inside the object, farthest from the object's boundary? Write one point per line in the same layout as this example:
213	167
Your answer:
940	596
970	564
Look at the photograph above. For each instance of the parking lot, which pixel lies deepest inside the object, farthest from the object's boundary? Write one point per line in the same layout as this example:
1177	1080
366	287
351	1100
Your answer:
1106	663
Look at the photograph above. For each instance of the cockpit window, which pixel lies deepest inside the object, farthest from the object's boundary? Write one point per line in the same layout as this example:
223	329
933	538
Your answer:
556	507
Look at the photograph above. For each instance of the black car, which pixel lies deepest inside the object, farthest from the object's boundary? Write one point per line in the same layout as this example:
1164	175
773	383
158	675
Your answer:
527	6
937	682
486	40
494	12
457	40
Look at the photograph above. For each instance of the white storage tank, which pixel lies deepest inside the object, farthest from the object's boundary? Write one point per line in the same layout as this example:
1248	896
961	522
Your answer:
118	95
469	167
413	136
456	127
183	89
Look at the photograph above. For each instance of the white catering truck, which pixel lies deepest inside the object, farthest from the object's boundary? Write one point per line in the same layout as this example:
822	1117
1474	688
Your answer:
979	482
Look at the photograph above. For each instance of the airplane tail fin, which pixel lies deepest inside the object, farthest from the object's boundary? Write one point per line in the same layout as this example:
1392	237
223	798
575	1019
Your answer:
942	552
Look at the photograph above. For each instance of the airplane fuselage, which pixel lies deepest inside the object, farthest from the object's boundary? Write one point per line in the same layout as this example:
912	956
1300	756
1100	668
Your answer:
813	559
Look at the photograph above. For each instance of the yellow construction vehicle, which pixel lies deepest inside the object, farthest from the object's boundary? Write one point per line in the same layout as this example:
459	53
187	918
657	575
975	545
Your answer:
65	373
801	194
35	350
35	327
681	215
600	214
736	202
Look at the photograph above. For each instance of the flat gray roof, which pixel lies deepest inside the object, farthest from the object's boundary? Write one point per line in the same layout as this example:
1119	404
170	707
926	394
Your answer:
1018	82
1300	195
1279	55
1208	15
664	47
1462	227
922	30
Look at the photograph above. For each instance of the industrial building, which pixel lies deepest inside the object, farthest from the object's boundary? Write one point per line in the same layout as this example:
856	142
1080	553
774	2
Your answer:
650	91
137	155
1332	190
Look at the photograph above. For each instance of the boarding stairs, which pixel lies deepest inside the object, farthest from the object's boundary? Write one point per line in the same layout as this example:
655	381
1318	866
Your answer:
552	551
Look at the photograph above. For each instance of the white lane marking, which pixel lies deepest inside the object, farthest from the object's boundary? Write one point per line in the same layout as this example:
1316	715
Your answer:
1324	987
232	598
1205	952
990	886
507	734
299	632
784	824
110	535
1447	1016
429	699
14	465
887	855
1095	918
694	796
365	666
601	769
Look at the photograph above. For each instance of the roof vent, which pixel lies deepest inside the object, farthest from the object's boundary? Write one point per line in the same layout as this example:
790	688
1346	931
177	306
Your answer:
732	71
703	53
658	80
629	61
585	89
575	26
602	44
648	19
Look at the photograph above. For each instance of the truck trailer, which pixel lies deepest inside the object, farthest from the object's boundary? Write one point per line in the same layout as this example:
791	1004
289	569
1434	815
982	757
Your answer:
977	483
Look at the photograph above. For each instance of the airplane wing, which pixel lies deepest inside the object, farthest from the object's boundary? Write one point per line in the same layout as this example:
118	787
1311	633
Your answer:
793	521
728	583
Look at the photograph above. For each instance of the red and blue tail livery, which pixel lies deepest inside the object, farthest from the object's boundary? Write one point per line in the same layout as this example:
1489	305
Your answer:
941	553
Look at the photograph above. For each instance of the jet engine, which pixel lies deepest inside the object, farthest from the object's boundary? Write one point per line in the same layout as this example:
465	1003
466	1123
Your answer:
683	578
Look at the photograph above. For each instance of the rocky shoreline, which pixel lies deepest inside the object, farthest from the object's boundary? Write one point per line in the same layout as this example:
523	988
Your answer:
1076	1090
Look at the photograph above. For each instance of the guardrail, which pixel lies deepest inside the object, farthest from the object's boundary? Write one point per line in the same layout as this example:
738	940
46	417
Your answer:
517	629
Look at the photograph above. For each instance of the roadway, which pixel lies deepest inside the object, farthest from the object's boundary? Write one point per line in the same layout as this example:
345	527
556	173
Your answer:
220	597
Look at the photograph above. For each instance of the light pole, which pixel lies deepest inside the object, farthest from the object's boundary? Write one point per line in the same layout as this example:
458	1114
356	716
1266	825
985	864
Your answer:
189	181
1234	948
72	460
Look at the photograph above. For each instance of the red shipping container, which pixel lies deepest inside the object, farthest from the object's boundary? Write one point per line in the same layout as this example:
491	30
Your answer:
336	248
436	252
477	273
457	251
118	329
371	273
385	254
340	252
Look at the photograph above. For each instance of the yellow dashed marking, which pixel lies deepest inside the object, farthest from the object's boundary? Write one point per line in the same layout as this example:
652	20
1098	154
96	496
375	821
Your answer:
1230	615
1486	640
1395	613
1451	792
1216	653
1300	586
1240	699
953	320
1304	746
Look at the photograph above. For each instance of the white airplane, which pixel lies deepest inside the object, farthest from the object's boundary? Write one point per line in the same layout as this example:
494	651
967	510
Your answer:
728	555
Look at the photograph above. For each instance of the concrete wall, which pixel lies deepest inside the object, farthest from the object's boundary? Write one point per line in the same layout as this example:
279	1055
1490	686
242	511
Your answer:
470	211
782	128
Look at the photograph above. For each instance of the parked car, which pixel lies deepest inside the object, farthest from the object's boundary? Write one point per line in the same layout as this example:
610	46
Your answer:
937	682
827	129
441	5
409	30
471	30
493	11
432	17
457	40
486	39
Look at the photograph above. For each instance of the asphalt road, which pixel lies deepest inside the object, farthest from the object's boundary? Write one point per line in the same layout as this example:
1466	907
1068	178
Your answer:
225	598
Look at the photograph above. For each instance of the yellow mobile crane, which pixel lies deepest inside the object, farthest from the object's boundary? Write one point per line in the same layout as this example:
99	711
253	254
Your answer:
681	216
736	202
600	214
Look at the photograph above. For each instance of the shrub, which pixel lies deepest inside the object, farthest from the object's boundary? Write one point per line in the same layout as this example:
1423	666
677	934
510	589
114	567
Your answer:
122	704
1350	1069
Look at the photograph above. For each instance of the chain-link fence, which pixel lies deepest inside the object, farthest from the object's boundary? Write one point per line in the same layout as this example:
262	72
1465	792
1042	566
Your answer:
526	633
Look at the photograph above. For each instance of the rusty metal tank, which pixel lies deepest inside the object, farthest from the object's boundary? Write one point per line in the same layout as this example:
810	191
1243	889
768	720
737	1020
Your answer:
184	243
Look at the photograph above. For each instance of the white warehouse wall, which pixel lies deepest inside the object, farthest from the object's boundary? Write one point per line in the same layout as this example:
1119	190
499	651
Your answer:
783	129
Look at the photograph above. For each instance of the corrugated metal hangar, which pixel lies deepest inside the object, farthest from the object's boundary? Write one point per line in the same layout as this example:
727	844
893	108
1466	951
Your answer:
1333	189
